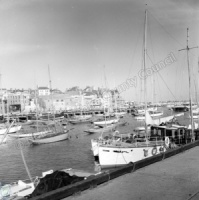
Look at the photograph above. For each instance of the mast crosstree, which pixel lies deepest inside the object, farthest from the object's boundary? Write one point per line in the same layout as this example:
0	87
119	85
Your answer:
189	73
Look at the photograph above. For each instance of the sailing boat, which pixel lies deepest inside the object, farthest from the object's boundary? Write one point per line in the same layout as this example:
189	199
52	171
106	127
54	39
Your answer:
82	118
55	133
104	122
50	137
117	153
27	132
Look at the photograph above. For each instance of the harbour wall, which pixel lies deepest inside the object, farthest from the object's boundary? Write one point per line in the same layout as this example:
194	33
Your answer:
94	180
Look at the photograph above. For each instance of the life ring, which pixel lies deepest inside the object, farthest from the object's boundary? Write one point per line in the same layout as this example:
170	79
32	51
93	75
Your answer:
161	149
167	141
154	151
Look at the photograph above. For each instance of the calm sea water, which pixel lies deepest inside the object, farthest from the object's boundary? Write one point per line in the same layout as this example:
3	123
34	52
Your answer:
72	153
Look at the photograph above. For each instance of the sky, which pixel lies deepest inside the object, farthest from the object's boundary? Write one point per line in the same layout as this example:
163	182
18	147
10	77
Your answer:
99	43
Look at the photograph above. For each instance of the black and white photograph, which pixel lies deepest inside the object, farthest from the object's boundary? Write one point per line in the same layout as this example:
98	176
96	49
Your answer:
99	99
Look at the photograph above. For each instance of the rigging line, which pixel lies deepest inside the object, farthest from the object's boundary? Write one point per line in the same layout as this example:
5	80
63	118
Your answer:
161	78
133	56
166	85
152	77
168	32
24	161
141	85
158	86
142	68
193	195
165	29
184	73
194	81
176	73
149	28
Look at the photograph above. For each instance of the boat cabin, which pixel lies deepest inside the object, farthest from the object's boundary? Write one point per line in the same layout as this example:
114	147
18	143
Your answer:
177	134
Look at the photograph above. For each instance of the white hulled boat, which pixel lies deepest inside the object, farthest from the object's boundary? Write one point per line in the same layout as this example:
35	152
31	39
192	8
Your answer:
124	153
50	138
106	122
98	129
156	113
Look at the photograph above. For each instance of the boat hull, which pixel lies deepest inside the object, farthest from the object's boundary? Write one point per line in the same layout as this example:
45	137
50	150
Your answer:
29	134
118	156
100	130
56	138
156	114
104	123
79	121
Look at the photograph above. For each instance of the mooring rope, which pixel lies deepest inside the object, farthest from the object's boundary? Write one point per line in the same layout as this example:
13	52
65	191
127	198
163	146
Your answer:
24	161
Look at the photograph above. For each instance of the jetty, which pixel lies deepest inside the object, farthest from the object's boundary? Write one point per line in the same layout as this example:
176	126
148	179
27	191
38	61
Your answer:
173	174
174	178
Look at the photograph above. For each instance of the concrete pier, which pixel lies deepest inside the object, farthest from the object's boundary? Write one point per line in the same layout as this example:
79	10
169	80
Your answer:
176	178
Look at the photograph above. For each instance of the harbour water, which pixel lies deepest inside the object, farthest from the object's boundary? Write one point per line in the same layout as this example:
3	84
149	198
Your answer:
72	153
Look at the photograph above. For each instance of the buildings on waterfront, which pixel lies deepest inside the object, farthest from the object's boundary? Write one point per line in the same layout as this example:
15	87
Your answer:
25	101
12	101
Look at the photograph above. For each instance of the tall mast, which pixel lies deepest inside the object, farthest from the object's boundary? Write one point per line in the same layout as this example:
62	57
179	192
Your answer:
50	85
145	43
189	73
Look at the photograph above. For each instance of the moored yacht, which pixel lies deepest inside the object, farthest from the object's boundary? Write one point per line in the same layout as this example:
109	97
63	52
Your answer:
122	153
